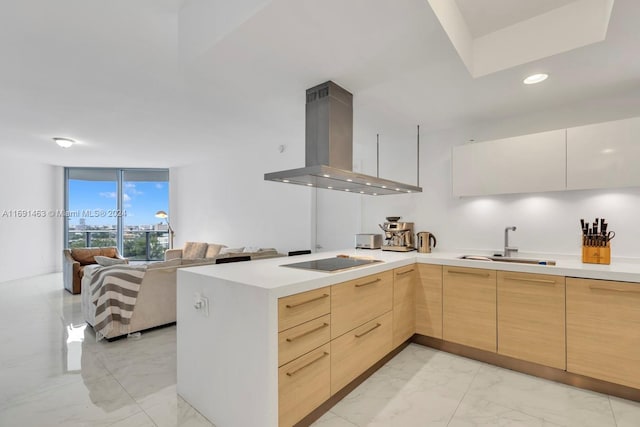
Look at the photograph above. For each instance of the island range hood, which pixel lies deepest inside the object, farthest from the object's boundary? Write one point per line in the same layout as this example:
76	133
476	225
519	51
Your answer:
329	148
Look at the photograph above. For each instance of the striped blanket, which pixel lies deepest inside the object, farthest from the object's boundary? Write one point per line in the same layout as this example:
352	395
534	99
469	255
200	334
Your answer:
114	290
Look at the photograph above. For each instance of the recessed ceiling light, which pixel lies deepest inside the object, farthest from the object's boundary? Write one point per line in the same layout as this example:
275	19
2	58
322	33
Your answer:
535	78
285	180
64	142
346	189
310	184
349	179
326	175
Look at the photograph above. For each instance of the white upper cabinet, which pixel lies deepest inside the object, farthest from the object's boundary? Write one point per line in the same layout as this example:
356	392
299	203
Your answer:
523	164
604	155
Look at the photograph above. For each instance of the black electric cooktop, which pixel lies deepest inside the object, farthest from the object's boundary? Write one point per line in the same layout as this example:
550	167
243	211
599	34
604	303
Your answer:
332	265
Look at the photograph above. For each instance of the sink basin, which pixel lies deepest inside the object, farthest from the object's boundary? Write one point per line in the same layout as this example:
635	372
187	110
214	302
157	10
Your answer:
508	259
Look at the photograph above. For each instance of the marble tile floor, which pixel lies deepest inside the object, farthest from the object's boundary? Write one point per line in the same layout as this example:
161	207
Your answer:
54	373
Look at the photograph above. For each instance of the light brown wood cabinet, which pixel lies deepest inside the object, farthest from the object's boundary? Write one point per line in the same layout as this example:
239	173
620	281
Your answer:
404	311
531	318
428	300
299	308
358	301
603	330
359	349
469	307
303	385
296	341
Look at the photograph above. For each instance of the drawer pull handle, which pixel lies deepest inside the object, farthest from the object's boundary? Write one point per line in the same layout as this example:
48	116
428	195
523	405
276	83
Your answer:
522	279
304	334
404	272
307	301
366	332
359	285
468	273
322	356
614	289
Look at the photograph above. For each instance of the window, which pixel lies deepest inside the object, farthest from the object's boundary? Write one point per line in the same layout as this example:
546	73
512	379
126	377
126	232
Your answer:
117	207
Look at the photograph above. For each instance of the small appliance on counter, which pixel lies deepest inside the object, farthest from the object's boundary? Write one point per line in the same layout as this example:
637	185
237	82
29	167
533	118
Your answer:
398	236
368	241
424	239
596	242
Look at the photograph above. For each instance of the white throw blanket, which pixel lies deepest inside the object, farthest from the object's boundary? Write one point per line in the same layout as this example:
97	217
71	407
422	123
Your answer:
114	291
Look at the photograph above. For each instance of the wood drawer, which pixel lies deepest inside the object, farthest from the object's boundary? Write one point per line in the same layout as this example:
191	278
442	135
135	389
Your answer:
531	314
603	330
404	319
358	301
301	339
299	308
303	385
356	351
429	300
469	307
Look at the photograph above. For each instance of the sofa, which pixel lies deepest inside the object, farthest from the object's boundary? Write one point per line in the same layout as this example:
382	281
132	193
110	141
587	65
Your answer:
155	303
199	252
74	262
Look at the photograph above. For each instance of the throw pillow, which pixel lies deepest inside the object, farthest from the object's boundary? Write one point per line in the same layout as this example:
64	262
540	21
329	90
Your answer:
213	249
105	261
194	250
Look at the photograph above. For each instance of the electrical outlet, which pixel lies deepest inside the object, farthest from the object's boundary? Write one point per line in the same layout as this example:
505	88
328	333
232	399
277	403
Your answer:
201	304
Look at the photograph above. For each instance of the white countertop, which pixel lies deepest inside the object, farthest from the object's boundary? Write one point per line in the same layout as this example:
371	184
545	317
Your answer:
270	275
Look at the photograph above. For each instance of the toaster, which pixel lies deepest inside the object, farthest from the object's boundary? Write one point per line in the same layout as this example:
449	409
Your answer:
368	241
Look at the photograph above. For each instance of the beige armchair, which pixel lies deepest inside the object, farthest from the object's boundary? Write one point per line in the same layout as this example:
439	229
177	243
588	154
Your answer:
74	261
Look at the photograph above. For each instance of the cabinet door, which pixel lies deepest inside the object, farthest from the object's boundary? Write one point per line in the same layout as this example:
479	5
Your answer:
531	314
604	155
358	350
429	300
522	164
469	307
603	330
404	318
358	301
296	341
303	385
299	308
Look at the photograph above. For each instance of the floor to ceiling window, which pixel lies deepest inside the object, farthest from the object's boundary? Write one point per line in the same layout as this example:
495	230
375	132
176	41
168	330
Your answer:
117	207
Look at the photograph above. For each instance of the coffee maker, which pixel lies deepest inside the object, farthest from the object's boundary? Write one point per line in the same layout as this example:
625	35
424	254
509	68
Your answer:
398	236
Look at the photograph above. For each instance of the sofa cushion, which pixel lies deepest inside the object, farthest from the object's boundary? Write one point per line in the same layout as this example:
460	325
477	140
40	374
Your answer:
213	249
165	264
106	261
194	250
226	251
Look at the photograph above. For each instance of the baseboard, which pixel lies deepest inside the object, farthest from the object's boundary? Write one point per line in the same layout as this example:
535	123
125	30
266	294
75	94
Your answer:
553	374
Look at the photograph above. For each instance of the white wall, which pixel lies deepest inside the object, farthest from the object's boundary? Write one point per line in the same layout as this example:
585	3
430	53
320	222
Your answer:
29	246
225	200
546	222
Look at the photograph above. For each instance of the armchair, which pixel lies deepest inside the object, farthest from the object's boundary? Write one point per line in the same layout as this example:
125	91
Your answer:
74	261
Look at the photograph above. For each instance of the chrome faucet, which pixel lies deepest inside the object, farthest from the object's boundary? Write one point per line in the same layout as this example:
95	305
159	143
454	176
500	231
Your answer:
508	250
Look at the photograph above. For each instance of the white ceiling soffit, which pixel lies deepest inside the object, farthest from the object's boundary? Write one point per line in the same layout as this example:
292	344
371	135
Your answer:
541	34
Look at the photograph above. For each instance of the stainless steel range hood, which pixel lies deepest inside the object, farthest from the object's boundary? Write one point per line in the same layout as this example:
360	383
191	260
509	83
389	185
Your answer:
329	148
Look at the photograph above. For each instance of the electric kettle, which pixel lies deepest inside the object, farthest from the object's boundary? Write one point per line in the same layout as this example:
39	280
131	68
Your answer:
424	241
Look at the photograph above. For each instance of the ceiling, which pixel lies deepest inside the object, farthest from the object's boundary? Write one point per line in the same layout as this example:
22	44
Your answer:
486	16
160	83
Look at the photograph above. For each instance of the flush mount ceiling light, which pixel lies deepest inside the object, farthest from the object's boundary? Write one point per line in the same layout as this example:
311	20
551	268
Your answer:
64	142
535	78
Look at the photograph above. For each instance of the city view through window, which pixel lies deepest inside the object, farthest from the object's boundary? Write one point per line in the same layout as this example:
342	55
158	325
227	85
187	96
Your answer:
111	207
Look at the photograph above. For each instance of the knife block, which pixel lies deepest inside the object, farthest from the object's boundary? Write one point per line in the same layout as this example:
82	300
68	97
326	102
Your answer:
596	254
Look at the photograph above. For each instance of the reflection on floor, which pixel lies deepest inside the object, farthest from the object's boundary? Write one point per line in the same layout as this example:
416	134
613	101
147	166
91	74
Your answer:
53	372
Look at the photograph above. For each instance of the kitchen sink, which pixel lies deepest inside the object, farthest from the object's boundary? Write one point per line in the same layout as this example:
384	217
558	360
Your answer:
508	259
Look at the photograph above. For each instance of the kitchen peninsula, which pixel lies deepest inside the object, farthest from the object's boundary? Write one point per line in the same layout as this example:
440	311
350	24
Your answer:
233	359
